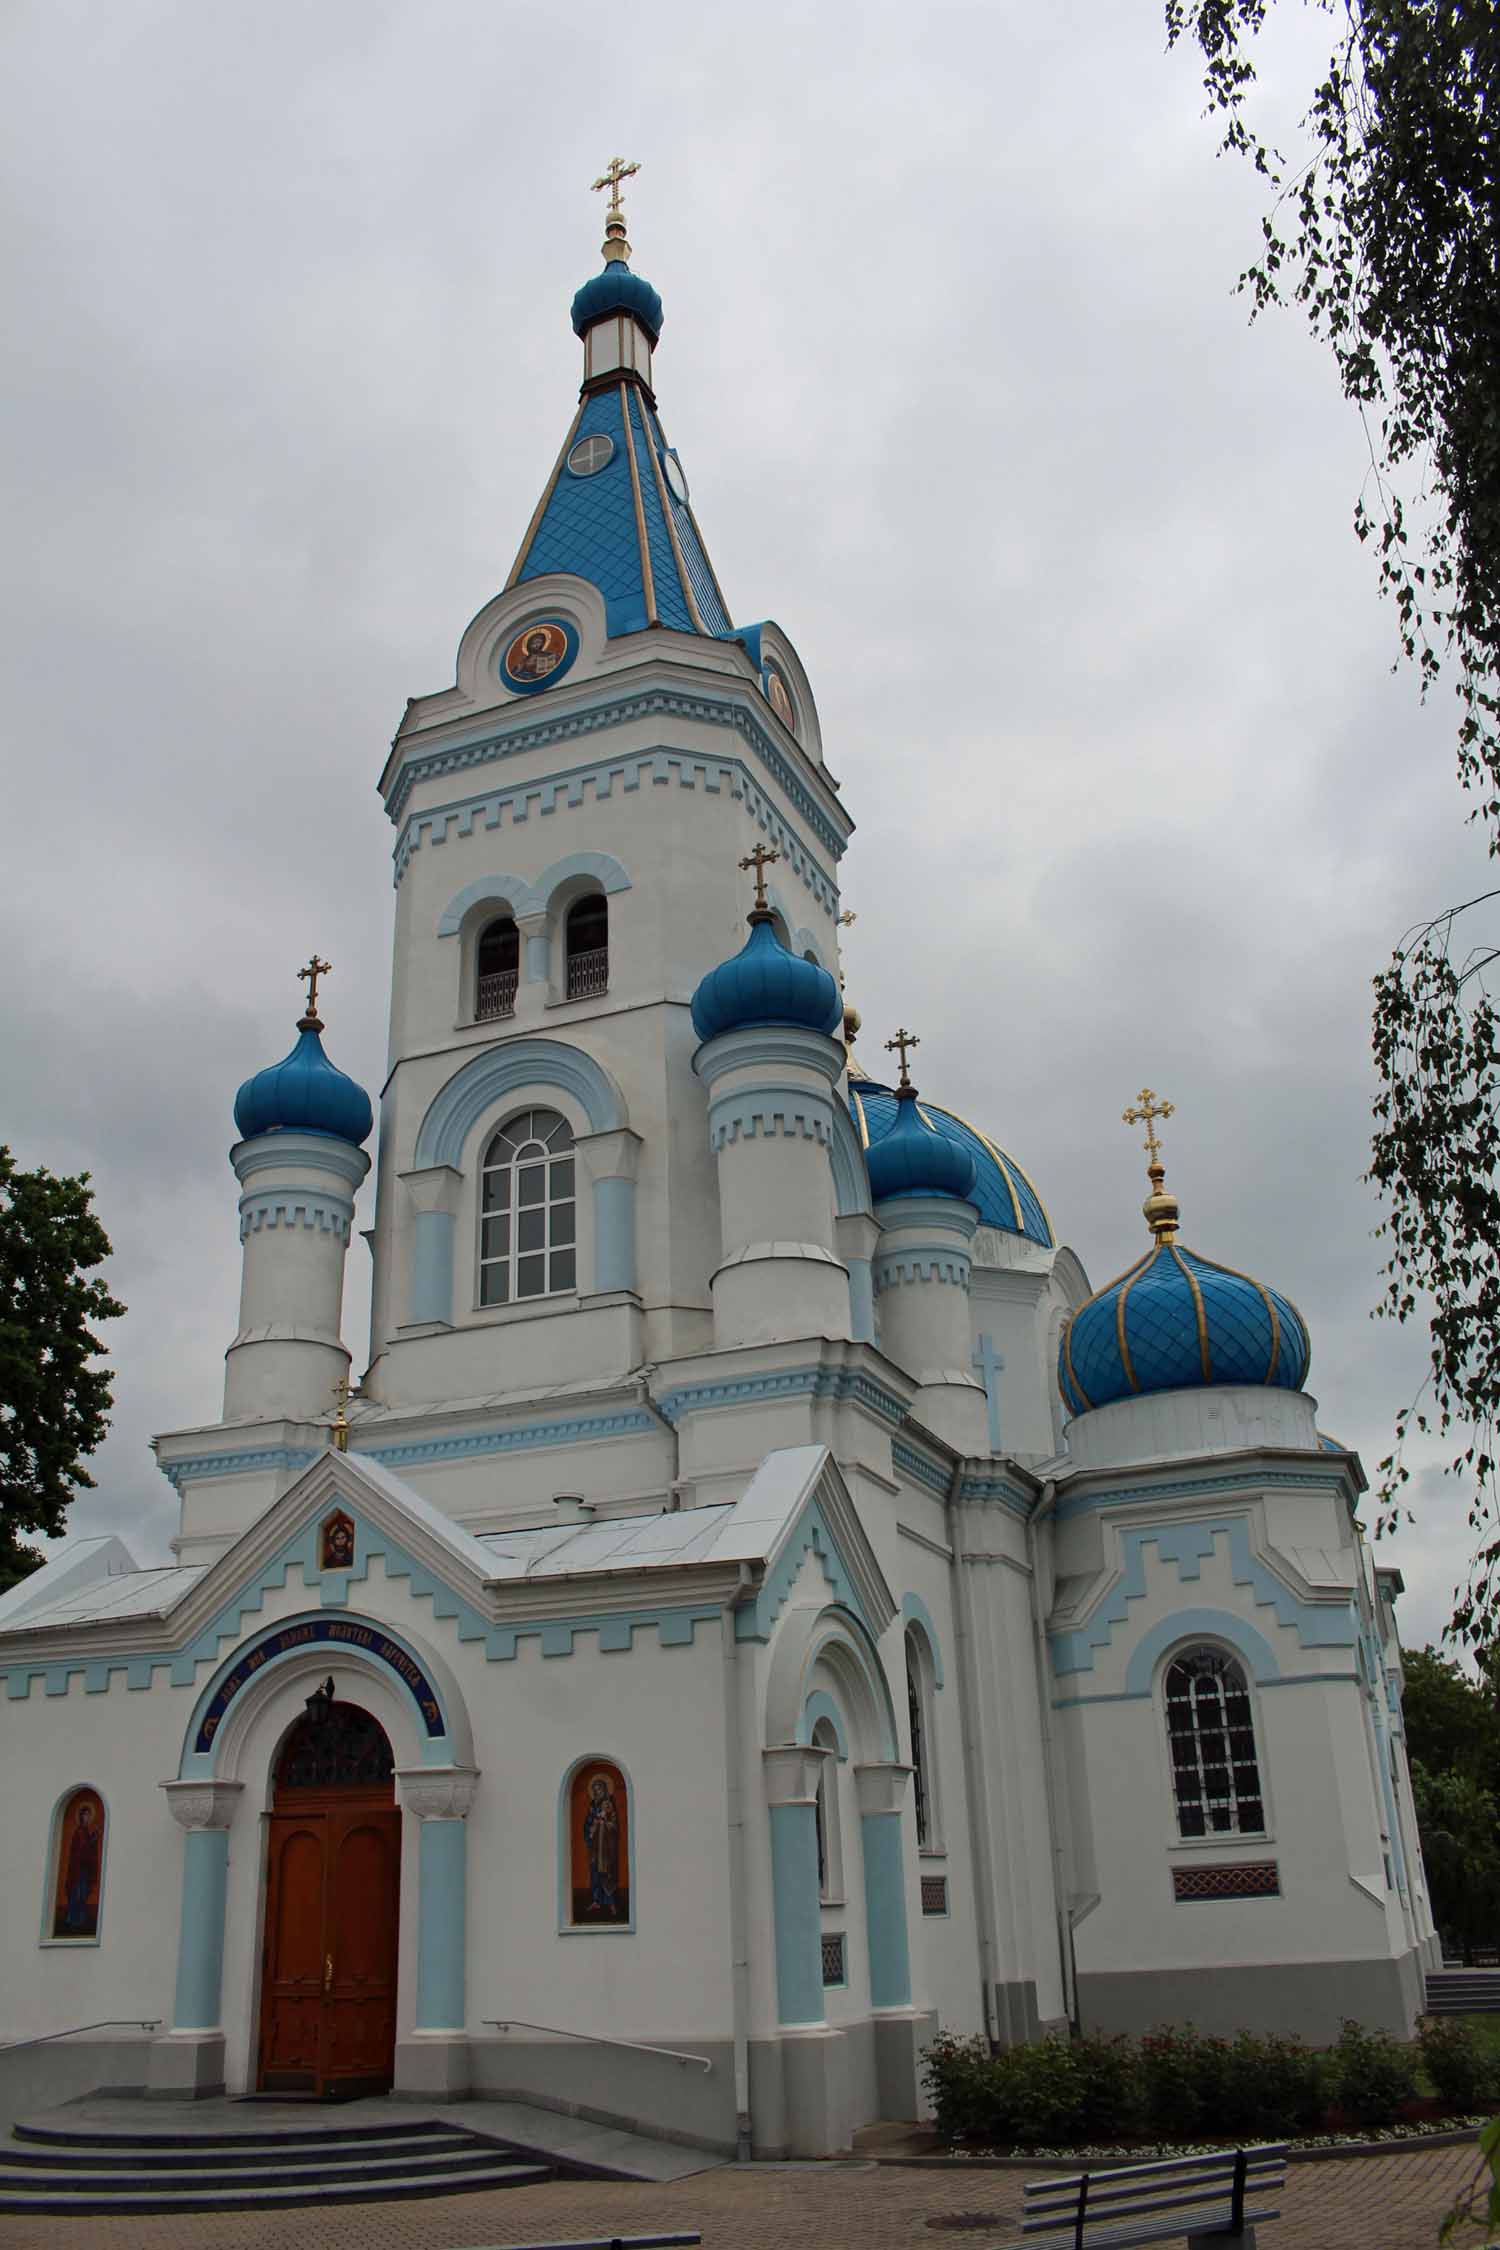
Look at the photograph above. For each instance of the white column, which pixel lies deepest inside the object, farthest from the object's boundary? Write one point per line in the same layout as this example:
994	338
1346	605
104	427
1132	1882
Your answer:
296	1210
922	1272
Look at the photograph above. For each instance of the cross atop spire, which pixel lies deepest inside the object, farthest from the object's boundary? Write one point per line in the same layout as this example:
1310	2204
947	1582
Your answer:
902	1041
616	248
1160	1209
311	1020
760	859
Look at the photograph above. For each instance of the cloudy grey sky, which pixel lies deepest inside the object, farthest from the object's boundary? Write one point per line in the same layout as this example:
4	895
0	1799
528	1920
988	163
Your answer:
953	360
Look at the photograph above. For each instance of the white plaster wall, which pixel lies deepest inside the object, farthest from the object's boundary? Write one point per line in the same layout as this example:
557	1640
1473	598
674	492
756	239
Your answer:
944	1950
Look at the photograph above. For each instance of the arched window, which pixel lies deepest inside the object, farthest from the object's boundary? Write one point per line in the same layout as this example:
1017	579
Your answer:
528	1212
596	1804
497	969
829	1824
586	947
76	1872
1211	1737
923	1764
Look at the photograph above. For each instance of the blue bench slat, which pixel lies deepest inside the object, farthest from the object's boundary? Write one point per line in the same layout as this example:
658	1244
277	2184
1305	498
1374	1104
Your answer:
1119	2238
1212	2189
1256	2152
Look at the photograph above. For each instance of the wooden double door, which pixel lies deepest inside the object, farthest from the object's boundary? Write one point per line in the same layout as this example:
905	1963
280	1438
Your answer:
328	1979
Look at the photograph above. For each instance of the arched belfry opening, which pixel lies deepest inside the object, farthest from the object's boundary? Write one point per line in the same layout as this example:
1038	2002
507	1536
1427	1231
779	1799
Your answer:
333	1888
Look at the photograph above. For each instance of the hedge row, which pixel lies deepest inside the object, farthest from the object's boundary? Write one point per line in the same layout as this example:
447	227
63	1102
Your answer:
1179	2085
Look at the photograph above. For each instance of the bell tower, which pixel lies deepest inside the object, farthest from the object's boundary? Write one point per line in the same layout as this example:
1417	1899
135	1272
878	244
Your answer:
569	816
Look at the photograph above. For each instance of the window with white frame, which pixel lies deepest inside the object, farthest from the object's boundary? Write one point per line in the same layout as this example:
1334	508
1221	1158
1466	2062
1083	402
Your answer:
1211	1739
829	1826
919	1683
528	1223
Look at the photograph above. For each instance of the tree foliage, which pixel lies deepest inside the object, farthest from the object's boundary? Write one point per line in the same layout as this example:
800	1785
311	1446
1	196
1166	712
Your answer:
54	1400
1385	231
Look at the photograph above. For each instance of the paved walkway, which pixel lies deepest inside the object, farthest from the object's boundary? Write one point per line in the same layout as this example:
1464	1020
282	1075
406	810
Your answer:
1371	2203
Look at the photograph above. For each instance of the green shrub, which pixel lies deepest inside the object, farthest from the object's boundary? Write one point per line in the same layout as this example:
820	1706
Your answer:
1045	2093
1109	2085
1272	2086
1182	2081
1463	2072
1372	2075
961	2080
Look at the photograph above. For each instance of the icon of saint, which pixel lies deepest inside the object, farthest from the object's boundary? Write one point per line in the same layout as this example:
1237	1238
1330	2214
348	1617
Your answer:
531	656
601	1841
78	1907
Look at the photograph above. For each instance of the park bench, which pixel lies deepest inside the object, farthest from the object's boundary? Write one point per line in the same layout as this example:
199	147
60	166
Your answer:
1205	2198
609	2242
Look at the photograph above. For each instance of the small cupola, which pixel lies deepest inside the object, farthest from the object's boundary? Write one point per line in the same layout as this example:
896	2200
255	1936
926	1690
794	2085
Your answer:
764	983
1176	1320
914	1158
305	1092
618	314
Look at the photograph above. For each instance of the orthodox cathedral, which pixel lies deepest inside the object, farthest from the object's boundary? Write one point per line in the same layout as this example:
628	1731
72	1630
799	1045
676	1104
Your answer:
758	1605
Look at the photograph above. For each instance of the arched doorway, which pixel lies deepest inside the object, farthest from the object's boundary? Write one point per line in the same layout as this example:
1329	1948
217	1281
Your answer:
333	1876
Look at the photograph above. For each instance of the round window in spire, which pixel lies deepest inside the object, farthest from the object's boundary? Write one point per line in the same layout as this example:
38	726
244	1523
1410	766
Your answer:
539	655
590	455
671	469
779	696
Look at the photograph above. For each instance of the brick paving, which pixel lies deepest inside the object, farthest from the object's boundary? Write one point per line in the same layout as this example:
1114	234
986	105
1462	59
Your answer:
1371	2203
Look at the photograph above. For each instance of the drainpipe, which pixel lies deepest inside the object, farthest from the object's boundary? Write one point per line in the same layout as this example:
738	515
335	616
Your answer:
643	1381
968	1704
739	1940
1061	1915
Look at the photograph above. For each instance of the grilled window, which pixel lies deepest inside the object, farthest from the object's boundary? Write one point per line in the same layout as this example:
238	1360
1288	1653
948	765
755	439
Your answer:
528	1227
497	967
1211	1737
586	948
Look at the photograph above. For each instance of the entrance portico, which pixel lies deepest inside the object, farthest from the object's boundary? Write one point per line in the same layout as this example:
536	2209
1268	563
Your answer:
223	1798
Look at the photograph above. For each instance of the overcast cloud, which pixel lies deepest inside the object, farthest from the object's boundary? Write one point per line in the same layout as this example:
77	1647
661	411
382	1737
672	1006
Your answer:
953	360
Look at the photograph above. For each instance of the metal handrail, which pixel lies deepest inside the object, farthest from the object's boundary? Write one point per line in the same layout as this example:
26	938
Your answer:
105	2023
593	2039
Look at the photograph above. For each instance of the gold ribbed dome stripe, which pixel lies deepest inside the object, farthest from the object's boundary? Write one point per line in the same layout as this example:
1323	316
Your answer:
1205	1357
1125	1283
1067	1344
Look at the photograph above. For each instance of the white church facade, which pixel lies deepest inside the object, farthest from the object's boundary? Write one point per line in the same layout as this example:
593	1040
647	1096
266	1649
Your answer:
758	1605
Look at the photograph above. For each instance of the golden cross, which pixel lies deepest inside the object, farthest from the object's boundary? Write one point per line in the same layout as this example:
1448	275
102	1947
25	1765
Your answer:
614	171
902	1041
847	917
309	976
1147	1114
760	859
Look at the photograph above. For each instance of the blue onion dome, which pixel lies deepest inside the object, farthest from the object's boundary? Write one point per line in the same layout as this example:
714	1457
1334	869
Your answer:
763	984
304	1093
914	1158
616	290
1177	1321
1002	1193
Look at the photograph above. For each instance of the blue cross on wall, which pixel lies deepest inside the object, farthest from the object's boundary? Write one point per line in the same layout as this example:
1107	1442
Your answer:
990	1366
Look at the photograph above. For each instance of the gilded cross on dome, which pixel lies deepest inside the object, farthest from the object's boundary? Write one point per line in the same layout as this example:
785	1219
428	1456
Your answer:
760	859
615	245
1160	1209
902	1041
309	976
1146	1114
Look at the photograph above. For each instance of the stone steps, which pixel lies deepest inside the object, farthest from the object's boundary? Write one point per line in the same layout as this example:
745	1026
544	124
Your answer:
62	2169
1463	1992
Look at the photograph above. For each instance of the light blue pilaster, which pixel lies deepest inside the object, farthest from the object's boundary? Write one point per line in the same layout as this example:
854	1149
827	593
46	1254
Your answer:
442	1908
794	1884
861	1301
614	1233
200	1938
537	956
432	1266
885	1910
